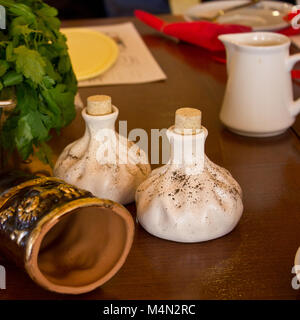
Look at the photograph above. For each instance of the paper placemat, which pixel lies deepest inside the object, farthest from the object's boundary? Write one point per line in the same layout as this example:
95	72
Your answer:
135	63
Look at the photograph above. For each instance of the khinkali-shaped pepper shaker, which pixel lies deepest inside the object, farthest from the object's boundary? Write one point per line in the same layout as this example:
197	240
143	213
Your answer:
190	199
102	161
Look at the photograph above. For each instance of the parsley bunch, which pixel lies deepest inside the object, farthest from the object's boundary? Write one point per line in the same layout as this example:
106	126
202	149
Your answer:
36	68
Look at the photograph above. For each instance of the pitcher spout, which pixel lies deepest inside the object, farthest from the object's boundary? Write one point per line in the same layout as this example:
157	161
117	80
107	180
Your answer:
230	45
227	39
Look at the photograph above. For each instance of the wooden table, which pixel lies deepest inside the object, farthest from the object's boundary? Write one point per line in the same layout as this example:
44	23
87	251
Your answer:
252	262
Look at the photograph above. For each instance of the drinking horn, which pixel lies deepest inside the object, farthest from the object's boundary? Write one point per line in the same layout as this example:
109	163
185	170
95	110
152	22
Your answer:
67	240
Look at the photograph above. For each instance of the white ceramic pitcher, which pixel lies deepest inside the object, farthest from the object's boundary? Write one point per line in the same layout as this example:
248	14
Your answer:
258	100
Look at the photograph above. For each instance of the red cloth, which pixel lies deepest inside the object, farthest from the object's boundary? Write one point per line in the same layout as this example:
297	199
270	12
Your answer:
205	34
201	33
290	31
291	15
295	74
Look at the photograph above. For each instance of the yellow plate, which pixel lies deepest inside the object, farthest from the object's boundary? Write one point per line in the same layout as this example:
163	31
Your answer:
91	52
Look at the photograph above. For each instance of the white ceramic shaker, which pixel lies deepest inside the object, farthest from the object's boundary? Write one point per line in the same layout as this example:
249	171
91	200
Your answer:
102	161
190	199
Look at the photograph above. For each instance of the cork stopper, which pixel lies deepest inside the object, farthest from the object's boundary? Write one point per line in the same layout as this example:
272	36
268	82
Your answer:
187	119
99	105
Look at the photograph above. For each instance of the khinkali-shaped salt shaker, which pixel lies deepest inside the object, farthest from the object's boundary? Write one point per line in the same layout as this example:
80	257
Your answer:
102	161
190	199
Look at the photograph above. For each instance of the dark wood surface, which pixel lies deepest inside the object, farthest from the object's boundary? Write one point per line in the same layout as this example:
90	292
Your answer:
252	262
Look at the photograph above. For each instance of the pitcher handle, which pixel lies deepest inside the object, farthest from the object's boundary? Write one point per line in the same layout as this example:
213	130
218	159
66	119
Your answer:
295	105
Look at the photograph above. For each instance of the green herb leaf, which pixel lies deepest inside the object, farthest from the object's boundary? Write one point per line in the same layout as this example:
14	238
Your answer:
10	52
23	138
4	66
37	127
12	78
52	105
47	11
27	98
20	9
19	26
64	64
49	69
45	154
35	69
48	82
64	99
30	63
